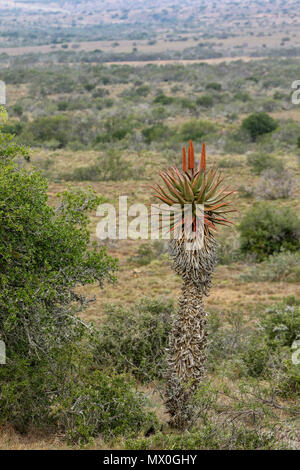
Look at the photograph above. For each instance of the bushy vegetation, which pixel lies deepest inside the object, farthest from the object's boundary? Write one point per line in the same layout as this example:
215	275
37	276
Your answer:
135	339
148	252
265	230
283	266
259	162
258	124
50	378
109	167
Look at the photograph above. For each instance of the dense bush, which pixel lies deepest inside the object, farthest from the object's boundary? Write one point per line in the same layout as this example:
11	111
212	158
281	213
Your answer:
258	124
156	132
134	339
205	100
214	86
196	129
281	325
210	436
49	378
48	128
163	99
265	230
263	350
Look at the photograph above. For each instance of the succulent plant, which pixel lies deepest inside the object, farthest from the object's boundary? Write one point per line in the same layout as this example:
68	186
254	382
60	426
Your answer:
195	187
191	187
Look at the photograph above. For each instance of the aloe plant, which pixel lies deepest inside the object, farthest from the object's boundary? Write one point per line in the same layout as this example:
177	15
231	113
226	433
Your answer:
193	188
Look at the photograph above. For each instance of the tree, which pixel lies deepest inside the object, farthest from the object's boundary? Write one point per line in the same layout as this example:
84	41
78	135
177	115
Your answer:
45	254
258	124
188	189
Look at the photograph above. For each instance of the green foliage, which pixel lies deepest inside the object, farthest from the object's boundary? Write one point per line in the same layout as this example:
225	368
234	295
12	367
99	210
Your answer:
157	132
283	266
65	392
108	167
265	230
206	101
242	96
260	162
281	325
135	339
289	383
44	129
13	128
208	437
258	124
109	405
196	129
256	357
228	250
214	86
163	99
50	378
261	351
148	252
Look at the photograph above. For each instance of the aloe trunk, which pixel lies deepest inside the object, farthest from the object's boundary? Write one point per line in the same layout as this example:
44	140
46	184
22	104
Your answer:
188	337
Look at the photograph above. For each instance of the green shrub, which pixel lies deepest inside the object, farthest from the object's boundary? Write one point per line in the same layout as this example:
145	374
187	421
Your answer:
13	128
100	92
135	339
142	90
163	99
50	379
196	129
66	393
156	132
228	250
109	405
260	162
265	230
284	266
288	385
234	436
43	129
214	86
206	101
281	325
258	124
17	109
109	167
256	356
242	96
147	252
